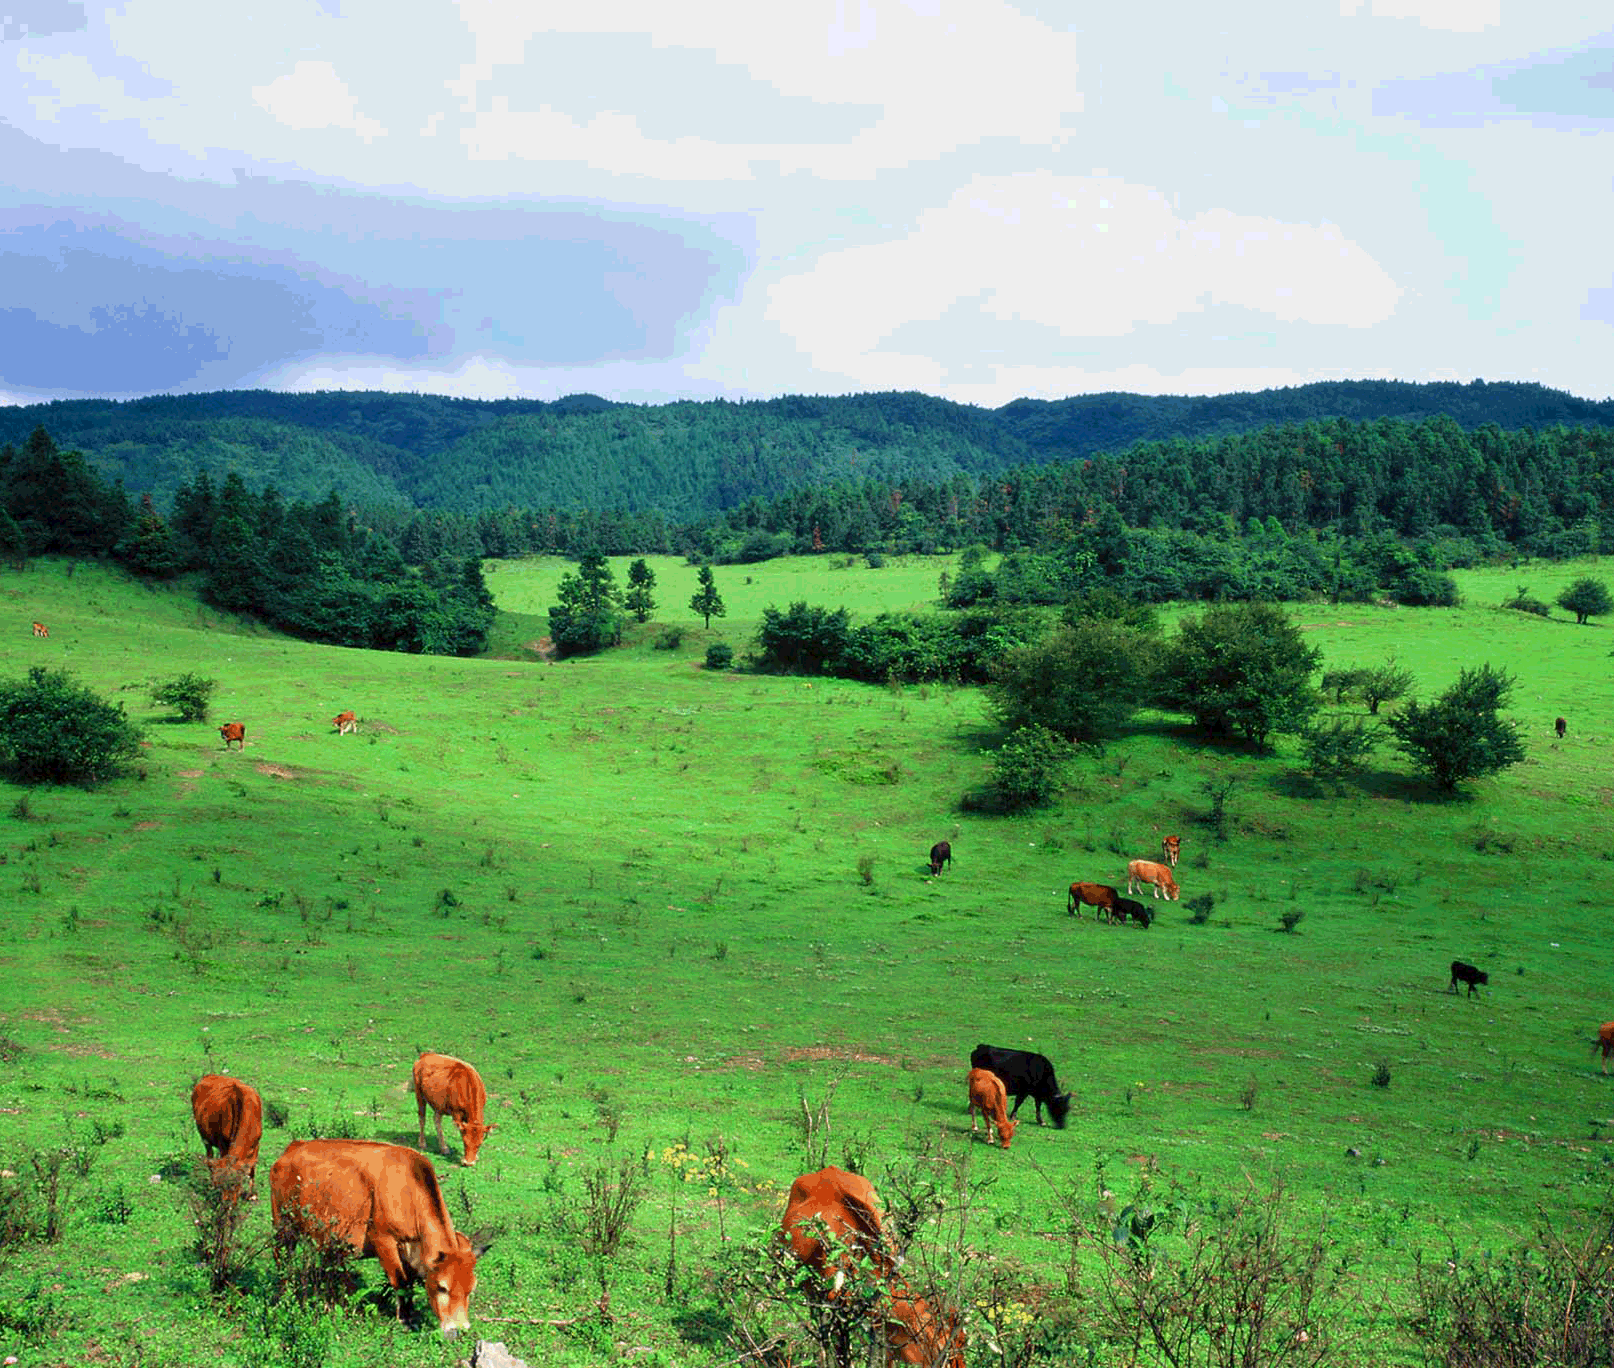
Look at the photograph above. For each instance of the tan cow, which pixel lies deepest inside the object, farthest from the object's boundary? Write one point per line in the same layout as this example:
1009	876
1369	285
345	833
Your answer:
345	722
234	731
450	1087
1605	1041
229	1118
833	1222
990	1098
385	1202
1140	872
1171	847
1100	897
40	630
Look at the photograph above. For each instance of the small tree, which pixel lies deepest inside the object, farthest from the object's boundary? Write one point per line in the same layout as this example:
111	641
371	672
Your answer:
1242	668
1337	748
639	599
1461	735
1384	684
706	600
189	693
1083	682
55	731
1029	768
1585	598
588	615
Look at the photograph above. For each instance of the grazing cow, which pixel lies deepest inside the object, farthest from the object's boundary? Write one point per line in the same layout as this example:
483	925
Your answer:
41	630
1098	896
229	1118
1140	872
1560	726
1171	847
1024	1075
991	1100
345	722
1605	1041
941	853
384	1201
1125	907
833	1222
234	731
450	1087
1467	973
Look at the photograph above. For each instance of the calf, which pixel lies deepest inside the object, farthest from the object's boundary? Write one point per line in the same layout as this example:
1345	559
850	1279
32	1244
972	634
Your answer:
1101	897
1171	847
1125	907
41	630
453	1088
1560	726
1467	973
1605	1042
941	853
345	722
1140	872
991	1100
234	731
1024	1075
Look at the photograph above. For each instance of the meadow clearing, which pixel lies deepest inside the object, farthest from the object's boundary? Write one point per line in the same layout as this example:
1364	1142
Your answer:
670	913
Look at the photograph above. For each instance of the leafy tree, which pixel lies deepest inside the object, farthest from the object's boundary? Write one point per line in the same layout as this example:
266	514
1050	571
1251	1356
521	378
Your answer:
1461	735
1029	768
55	731
1337	748
1343	682
1585	598
588	615
639	600
803	640
706	601
1242	668
1083	682
1384	684
189	693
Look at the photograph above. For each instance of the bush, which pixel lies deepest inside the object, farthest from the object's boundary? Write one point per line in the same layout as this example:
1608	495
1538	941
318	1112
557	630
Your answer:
55	731
1029	768
1585	598
1522	602
1290	919
1461	735
1337	748
189	693
1199	908
669	639
719	656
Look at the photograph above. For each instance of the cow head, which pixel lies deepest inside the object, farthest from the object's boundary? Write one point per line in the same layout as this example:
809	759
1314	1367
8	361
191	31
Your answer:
1006	1132
917	1335
450	1279
472	1134
1059	1109
233	1178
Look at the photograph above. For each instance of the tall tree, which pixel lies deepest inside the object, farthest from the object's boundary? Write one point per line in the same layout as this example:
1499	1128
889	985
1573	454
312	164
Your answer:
1242	668
640	600
588	615
1462	734
1586	597
707	601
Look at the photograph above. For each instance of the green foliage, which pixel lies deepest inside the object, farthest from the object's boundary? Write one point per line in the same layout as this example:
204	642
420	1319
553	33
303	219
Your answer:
1384	684
55	731
1290	918
588	616
1337	748
1242	669
719	656
802	639
668	639
1461	735
640	600
706	600
1522	602
1028	769
1343	683
1586	598
189	693
1084	682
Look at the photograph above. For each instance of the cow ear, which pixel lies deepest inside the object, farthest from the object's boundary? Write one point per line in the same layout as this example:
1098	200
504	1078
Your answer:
482	1241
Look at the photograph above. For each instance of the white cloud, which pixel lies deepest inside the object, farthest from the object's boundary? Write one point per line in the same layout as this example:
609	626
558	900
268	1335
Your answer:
311	95
1451	16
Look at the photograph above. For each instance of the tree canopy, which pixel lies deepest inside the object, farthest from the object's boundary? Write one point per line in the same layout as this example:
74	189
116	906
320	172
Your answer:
1244	669
1462	734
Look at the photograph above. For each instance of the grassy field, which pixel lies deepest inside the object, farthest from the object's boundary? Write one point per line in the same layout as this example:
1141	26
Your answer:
660	908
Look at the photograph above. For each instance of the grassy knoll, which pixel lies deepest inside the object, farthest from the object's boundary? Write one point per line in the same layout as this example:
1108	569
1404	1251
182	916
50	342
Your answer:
659	907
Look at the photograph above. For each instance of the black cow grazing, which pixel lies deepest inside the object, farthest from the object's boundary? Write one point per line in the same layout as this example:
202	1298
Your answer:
1560	726
941	853
1467	973
1126	907
1025	1075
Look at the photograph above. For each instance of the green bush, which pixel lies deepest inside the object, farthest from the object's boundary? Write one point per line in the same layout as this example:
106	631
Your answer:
55	731
189	693
1029	768
719	656
669	640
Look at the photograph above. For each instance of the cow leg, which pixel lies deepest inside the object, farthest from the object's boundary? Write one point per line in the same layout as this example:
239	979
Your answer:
420	1130
441	1148
1018	1099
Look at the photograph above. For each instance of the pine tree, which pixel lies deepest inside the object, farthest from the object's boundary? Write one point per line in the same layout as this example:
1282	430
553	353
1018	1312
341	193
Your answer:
706	601
641	581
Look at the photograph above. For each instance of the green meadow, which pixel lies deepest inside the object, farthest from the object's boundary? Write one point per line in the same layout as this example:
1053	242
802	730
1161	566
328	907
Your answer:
670	914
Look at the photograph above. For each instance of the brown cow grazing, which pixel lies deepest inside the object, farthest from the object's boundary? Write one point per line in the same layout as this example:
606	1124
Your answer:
989	1097
1140	872
234	731
941	853
229	1118
1560	726
41	630
1099	896
345	722
385	1202
1171	847
833	1222
1605	1041
450	1087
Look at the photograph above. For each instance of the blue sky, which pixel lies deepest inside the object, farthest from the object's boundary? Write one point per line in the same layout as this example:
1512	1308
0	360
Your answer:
648	201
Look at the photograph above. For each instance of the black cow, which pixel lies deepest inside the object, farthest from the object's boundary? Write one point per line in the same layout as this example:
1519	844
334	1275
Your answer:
1025	1075
1560	726
1126	907
941	853
1467	973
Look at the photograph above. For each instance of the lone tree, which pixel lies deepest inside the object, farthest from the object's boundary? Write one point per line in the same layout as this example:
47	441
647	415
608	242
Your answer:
56	731
1585	598
1083	682
1242	668
1384	684
706	601
589	614
1461	735
190	694
639	601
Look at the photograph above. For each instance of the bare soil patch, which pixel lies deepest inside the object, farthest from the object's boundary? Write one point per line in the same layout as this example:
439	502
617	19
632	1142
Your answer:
275	771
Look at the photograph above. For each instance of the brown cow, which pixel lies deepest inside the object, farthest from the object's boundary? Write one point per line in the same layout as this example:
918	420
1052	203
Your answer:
1605	1041
452	1087
940	854
385	1202
1098	896
234	731
1171	847
1560	726
990	1098
345	722
833	1218
229	1118
41	630
1148	872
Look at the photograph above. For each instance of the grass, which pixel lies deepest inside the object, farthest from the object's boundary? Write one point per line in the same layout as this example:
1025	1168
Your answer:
668	912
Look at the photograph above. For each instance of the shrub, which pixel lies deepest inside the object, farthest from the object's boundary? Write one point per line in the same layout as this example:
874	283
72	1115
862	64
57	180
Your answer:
1461	735
189	693
1381	1074
670	639
1029	768
1337	748
1199	908
719	656
1522	602
55	731
1585	598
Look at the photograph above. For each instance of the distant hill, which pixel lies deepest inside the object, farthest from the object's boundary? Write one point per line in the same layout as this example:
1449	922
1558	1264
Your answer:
688	459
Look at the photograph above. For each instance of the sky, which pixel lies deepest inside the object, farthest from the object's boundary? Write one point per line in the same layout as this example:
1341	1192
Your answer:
977	200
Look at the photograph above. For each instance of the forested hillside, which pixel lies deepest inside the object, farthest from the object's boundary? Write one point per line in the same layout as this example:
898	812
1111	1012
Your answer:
687	461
